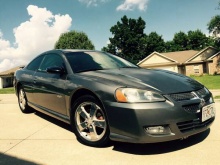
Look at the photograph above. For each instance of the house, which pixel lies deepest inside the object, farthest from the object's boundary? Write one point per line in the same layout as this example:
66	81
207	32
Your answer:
189	62
7	77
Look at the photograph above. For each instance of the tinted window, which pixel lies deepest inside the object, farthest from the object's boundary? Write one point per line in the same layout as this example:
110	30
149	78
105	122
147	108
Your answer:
85	61
51	60
34	65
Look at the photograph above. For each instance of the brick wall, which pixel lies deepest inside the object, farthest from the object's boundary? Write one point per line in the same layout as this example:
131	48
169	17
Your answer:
214	66
194	69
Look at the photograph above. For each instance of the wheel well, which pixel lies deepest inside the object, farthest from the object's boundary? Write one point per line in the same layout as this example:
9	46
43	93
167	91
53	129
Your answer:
17	87
83	92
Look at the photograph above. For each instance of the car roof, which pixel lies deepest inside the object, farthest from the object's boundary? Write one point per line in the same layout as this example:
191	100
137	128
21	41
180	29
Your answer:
69	51
76	50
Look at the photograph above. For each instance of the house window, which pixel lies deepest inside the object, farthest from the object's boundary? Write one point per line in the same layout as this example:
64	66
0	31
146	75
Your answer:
196	69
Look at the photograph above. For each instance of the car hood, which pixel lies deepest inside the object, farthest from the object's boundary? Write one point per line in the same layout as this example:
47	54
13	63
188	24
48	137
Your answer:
158	80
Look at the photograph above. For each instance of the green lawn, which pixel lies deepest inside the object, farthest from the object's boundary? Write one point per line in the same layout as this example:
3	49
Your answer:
211	82
7	90
217	97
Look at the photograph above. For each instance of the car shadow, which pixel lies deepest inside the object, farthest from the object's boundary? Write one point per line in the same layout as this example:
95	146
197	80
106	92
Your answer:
140	149
9	160
160	148
54	121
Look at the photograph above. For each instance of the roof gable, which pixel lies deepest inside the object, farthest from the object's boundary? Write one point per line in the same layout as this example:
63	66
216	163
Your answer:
217	54
154	58
203	55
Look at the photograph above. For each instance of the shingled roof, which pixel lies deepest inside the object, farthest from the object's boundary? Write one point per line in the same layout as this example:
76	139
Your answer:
10	71
181	56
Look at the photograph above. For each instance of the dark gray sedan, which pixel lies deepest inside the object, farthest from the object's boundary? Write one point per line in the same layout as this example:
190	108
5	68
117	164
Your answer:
105	98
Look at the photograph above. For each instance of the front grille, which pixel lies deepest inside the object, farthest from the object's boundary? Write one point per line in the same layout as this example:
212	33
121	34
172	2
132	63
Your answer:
189	95
193	125
193	108
182	96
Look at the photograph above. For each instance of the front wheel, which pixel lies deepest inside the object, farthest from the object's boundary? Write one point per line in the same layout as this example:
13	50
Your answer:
89	122
22	101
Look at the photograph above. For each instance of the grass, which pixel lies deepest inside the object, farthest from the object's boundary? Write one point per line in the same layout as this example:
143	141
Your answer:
211	82
7	90
217	97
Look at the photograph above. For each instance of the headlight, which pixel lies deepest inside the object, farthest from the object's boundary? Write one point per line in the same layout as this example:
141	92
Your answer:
137	95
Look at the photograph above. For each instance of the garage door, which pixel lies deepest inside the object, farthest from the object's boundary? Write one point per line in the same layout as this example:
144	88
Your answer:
166	68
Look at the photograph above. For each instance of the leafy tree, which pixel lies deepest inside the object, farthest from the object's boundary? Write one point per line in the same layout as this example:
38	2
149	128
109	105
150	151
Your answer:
197	40
214	29
214	25
154	42
170	46
180	41
128	39
74	40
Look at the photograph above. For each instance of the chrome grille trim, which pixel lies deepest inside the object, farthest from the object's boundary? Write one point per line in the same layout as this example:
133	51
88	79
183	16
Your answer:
189	95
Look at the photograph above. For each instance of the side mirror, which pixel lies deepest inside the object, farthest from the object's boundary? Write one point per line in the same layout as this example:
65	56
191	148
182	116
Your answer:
55	69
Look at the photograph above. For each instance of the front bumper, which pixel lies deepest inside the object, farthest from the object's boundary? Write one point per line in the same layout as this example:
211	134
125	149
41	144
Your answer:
128	122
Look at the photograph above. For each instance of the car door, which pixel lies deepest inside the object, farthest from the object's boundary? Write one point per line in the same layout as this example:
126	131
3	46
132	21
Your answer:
28	77
49	87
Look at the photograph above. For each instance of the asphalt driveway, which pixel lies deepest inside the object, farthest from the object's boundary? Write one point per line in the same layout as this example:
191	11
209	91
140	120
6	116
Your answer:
38	139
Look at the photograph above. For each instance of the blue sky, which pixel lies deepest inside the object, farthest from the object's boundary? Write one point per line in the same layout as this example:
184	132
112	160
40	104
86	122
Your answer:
28	27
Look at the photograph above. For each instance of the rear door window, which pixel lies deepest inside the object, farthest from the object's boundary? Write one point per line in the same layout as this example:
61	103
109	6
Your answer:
34	65
51	60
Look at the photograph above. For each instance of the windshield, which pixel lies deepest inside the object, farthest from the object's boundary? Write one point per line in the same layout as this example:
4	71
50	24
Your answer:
88	61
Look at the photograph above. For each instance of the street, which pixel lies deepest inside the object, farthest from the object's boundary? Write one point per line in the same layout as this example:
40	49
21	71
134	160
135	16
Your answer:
35	138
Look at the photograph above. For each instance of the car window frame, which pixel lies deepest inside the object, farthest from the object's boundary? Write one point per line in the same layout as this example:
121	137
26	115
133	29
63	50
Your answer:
34	60
51	54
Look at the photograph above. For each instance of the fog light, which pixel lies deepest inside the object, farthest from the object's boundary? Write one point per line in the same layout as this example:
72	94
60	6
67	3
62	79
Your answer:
158	130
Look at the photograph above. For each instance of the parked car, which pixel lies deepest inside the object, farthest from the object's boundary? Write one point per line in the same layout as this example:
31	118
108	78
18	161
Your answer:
105	97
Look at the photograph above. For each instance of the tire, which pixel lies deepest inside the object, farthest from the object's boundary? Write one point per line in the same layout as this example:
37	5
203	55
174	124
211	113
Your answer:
22	101
89	122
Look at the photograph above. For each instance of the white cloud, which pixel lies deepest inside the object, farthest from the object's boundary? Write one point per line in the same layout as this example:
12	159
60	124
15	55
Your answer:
132	4
32	37
3	43
93	2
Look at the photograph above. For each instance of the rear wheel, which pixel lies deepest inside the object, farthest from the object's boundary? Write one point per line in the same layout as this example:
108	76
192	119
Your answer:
22	101
89	122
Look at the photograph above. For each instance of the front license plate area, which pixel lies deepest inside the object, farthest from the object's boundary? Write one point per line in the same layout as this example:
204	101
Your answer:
208	112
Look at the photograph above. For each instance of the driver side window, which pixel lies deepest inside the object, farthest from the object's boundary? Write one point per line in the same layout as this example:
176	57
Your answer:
51	60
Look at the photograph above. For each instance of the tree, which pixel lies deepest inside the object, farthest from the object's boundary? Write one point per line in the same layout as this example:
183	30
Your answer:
214	26
193	40
170	46
128	39
197	40
74	40
154	42
180	41
214	30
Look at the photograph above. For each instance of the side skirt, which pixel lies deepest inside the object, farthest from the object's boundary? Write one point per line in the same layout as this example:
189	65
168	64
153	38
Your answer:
51	113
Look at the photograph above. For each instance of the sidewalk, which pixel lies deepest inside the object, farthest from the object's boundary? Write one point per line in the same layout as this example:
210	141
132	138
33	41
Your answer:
215	92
